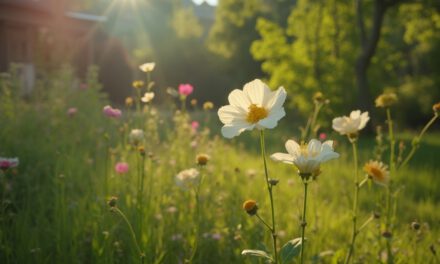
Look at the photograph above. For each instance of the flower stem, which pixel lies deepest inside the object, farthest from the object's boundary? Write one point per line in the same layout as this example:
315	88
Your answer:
354	233
269	188
141	172
388	193
141	254
303	223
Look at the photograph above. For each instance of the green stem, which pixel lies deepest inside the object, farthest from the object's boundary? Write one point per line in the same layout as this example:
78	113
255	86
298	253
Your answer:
264	222
304	223
388	193
417	140
366	223
133	235
141	195
354	233
269	188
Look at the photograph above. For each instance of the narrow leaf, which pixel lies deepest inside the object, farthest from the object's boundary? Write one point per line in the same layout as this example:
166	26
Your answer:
256	253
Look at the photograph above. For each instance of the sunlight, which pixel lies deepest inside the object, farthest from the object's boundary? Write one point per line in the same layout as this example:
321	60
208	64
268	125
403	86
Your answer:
209	2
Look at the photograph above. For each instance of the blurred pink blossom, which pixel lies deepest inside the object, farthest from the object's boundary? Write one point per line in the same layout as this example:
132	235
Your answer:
185	89
83	86
195	125
322	136
111	112
7	163
72	111
121	167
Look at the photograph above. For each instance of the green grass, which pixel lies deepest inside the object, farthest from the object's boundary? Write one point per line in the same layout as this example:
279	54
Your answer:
54	209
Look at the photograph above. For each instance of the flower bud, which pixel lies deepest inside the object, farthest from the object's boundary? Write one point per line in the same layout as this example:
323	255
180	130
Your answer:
415	225
387	234
202	159
273	182
436	108
250	206
112	201
318	98
138	84
208	105
386	100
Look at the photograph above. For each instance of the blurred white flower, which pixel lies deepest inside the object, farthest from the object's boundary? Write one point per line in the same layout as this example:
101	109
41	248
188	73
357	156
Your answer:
147	97
378	172
136	136
187	178
307	157
351	125
256	106
147	67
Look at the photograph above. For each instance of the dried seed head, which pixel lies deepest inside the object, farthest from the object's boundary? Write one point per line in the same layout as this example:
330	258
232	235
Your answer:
112	201
202	159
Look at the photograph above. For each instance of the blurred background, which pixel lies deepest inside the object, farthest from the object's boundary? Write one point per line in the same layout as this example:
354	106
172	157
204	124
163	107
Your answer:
351	51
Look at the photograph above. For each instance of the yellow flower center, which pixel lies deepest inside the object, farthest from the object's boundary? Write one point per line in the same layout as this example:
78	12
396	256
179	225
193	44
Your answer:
375	172
304	149
256	113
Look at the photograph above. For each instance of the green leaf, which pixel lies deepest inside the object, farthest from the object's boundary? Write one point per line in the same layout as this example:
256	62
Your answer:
290	250
257	253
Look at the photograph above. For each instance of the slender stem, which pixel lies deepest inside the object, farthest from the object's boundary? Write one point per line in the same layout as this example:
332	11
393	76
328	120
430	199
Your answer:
417	140
141	254
388	193
141	194
264	222
366	223
269	188
304	223
354	233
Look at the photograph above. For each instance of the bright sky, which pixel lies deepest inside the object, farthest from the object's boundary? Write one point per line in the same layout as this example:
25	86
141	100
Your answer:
211	2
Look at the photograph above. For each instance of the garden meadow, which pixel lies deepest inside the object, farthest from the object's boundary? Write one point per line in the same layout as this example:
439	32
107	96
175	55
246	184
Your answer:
84	181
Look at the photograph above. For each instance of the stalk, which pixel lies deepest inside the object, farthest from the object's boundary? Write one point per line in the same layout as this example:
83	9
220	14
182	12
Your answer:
354	233
388	198
304	223
269	189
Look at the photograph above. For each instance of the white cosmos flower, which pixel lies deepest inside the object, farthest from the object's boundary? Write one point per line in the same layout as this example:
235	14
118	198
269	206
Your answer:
187	178
147	67
307	157
351	125
256	106
147	97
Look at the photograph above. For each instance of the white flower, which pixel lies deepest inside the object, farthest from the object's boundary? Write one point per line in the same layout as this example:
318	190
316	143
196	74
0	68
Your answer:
187	178
136	136
147	97
147	67
307	157
351	125
254	107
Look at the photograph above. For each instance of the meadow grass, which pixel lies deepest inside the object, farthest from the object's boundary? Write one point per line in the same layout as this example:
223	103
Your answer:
54	206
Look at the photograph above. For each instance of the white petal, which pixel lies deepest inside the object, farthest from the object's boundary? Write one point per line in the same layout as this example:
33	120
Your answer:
272	120
328	143
327	155
364	120
283	157
337	123
292	147
229	114
355	114
277	99
256	91
235	129
314	146
239	99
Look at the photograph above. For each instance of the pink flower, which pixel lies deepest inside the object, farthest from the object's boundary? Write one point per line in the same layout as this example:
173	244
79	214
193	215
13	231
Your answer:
72	111
83	86
7	163
186	89
121	167
195	125
111	112
322	136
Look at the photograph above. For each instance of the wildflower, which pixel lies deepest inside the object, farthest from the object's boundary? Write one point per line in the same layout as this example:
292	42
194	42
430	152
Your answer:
185	89
377	171
351	125
322	136
147	67
129	101
193	102
307	157
121	167
72	111
415	225
208	105
187	178
147	97
195	125
112	112
7	163
138	84
436	108
136	136
386	100
318	98
250	206
254	107
141	150
112	201
202	159
216	236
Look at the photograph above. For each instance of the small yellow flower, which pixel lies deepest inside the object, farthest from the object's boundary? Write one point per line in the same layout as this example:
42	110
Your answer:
386	100
377	171
129	101
202	159
250	206
138	84
436	108
318	97
208	105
